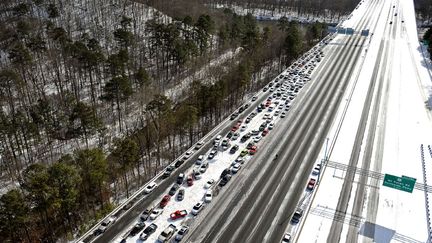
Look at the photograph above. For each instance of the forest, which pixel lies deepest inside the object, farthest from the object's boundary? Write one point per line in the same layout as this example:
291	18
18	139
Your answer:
98	96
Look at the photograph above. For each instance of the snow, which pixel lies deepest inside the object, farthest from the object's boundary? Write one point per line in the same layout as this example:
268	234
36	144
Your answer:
222	161
275	14
403	126
176	92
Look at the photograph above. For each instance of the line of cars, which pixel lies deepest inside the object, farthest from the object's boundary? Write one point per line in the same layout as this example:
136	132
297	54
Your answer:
285	89
220	144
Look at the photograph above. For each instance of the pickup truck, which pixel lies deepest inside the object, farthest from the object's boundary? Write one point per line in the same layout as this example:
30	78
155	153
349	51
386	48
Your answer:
166	235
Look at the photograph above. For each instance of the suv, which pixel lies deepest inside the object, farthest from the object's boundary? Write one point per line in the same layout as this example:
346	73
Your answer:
225	144
105	224
178	163
180	178
245	137
311	184
234	149
197	208
217	139
189	180
166	235
297	215
182	232
173	189
225	172
145	215
168	172
225	180
148	231
199	160
164	201
212	154
180	194
150	187
137	228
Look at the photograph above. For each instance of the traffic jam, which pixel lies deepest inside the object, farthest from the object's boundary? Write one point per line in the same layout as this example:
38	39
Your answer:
169	219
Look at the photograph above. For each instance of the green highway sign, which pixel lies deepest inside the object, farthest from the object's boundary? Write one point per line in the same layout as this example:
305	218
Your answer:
403	183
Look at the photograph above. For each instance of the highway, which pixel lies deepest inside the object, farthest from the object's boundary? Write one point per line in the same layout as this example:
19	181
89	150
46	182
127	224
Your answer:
146	201
371	111
257	206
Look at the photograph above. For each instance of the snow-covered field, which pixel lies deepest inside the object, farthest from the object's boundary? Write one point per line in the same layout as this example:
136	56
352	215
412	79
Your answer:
404	123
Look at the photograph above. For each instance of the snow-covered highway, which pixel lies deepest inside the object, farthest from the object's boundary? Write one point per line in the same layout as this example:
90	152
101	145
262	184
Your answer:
360	116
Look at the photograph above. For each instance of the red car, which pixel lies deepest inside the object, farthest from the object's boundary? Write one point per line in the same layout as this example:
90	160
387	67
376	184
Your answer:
311	184
268	103
235	128
190	180
178	214
264	132
239	122
165	201
253	150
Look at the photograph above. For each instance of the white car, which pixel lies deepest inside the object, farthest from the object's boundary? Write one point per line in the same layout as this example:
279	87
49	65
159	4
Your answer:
208	196
239	160
197	175
181	233
243	128
217	139
188	154
199	160
270	126
155	213
316	170
209	184
105	224
150	187
197	208
198	145
257	139
287	238
255	132
236	167
283	114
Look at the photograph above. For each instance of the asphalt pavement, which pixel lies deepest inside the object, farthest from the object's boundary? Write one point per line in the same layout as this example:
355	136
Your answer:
257	206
